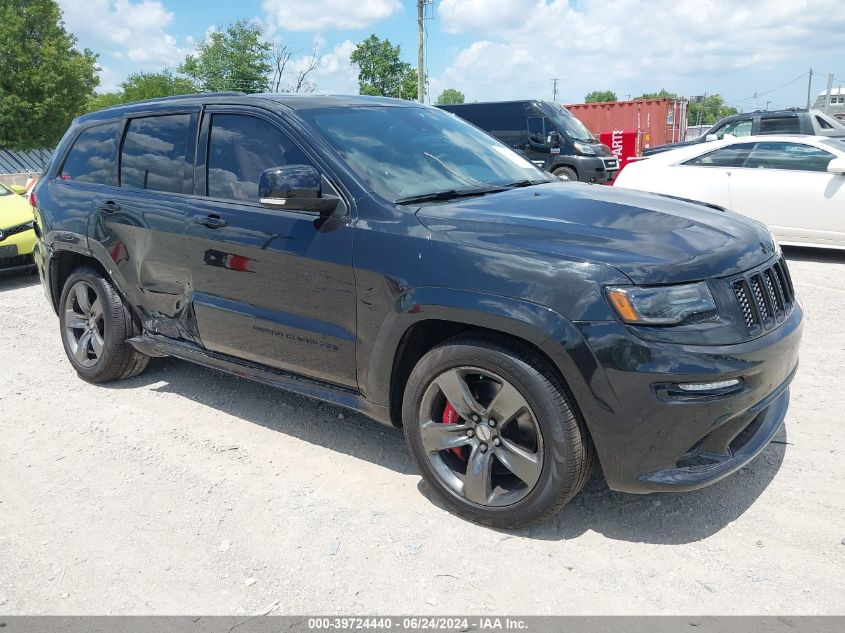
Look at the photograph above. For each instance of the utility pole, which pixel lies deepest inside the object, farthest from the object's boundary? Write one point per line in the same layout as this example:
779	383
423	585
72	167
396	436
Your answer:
421	51
767	105
809	88
827	94
554	88
755	101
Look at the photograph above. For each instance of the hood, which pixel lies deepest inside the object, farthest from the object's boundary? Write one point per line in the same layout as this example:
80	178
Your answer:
14	210
648	151
649	238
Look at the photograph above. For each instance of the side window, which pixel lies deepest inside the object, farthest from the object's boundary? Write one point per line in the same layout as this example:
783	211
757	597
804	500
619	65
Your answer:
90	158
153	154
736	128
536	130
824	125
240	148
790	156
731	156
780	125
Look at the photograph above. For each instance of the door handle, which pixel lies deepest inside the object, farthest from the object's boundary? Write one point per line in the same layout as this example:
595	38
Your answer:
211	221
108	207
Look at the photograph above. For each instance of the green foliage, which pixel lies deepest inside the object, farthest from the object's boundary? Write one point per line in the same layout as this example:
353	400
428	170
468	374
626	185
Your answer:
44	81
708	110
381	72
662	94
139	86
450	96
600	96
234	59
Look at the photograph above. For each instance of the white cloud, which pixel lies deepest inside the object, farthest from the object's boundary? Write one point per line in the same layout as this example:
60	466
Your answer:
325	15
522	44
136	29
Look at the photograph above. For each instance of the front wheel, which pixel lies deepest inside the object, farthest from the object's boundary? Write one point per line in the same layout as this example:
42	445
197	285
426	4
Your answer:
492	430
95	325
566	173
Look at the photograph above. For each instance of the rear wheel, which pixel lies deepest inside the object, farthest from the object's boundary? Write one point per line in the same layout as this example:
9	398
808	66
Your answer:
95	326
493	432
567	172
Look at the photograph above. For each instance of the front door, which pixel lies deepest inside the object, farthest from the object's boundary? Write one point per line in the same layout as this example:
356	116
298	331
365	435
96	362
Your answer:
271	286
537	149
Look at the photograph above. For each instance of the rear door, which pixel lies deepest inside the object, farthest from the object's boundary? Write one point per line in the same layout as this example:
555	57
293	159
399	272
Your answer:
269	285
140	224
786	185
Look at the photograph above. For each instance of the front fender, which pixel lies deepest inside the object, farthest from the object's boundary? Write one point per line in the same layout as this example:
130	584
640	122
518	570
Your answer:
531	322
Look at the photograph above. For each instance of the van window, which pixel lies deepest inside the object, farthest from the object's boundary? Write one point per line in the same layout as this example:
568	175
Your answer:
90	158
537	130
780	125
240	148
153	154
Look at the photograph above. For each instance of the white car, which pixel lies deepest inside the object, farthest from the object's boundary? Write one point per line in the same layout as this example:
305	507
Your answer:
794	184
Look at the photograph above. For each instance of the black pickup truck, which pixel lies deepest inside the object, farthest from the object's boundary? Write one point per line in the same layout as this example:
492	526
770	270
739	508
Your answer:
792	121
391	258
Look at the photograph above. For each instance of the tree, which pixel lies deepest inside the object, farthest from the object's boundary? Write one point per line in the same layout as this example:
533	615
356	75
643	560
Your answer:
381	72
45	82
235	59
600	96
707	110
662	94
139	86
449	96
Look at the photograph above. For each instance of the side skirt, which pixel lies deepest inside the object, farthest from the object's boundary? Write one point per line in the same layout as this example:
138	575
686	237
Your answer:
155	345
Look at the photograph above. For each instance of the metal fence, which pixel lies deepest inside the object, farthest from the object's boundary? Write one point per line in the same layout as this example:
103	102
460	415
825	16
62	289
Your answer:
33	161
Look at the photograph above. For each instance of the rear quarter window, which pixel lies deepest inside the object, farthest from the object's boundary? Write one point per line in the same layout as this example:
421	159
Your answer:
91	157
780	125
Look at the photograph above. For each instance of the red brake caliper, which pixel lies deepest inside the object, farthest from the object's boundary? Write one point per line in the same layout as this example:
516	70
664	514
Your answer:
450	416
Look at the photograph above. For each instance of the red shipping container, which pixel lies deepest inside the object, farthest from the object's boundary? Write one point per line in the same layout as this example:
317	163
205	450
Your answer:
659	121
623	143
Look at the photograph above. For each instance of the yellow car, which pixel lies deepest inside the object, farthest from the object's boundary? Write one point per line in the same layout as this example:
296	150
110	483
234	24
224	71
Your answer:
17	236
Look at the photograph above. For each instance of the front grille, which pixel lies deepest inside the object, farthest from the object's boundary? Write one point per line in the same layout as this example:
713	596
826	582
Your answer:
20	228
765	296
16	261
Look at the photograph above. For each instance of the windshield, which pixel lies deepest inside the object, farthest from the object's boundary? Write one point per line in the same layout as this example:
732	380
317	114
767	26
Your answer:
571	126
403	152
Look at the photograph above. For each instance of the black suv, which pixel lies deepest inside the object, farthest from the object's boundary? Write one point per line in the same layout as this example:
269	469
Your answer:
391	258
548	135
792	121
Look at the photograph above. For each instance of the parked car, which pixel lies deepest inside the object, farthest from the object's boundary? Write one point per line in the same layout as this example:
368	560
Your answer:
792	121
16	234
547	134
391	258
795	184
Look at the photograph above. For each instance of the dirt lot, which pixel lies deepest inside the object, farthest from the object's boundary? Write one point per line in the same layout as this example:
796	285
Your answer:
188	491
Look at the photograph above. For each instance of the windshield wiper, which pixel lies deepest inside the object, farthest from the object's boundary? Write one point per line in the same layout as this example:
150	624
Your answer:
527	183
449	194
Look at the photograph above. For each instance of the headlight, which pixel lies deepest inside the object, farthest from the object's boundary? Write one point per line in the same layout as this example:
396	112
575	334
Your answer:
583	148
661	305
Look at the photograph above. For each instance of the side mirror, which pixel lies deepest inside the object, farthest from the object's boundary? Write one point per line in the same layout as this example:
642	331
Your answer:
295	188
553	139
18	189
837	166
711	137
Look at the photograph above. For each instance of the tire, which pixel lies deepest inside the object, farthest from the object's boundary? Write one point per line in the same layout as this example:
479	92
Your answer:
566	171
95	327
556	455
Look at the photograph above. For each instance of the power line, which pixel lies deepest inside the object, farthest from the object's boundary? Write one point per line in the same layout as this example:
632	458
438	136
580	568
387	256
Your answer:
761	94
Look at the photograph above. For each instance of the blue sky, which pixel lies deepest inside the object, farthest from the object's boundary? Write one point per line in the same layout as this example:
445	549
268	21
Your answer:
500	49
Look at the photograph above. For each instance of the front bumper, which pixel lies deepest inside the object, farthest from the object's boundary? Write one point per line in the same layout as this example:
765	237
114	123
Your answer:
16	251
652	439
595	169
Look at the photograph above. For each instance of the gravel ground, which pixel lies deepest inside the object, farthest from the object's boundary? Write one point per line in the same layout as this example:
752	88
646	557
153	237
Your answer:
188	491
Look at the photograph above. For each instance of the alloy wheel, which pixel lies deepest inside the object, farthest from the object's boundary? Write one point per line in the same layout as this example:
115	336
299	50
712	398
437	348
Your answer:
481	437
84	324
